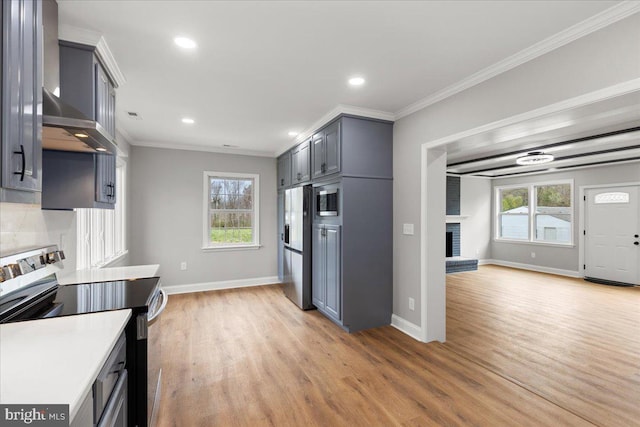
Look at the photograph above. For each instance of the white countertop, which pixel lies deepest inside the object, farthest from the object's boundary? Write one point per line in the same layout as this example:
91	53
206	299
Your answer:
56	360
108	274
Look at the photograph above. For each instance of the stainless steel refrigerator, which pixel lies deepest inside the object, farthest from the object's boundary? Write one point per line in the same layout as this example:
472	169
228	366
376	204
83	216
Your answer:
297	246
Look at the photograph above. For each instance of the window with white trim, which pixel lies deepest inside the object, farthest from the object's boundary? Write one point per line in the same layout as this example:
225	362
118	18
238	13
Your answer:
102	232
538	212
231	210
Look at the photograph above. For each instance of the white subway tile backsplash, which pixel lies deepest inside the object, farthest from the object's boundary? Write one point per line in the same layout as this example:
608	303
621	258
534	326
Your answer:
24	225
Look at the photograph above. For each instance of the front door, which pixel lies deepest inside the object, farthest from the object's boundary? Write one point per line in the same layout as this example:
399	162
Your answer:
612	234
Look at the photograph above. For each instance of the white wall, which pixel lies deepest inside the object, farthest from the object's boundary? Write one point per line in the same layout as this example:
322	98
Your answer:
556	257
475	202
599	60
166	216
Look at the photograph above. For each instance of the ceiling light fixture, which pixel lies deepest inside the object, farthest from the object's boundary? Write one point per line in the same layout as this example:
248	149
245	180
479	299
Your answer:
185	42
293	133
101	149
81	135
356	81
534	158
188	121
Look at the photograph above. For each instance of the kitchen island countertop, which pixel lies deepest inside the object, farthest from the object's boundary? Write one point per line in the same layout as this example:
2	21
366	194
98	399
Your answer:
55	361
108	274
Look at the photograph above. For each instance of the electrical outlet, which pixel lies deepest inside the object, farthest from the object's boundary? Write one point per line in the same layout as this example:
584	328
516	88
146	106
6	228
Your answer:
407	229
533	254
183	265
412	304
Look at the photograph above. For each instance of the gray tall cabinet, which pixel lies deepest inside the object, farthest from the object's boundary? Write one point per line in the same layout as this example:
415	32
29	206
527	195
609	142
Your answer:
21	96
352	270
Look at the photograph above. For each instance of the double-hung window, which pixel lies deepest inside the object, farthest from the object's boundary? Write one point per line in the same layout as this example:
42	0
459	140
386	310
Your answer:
101	233
231	214
539	213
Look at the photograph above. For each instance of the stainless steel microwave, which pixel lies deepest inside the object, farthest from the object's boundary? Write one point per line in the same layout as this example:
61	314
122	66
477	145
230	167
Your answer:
327	202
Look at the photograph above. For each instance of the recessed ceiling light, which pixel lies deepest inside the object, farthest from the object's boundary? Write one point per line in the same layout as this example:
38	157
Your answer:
356	81
185	42
293	133
188	121
101	149
534	158
81	135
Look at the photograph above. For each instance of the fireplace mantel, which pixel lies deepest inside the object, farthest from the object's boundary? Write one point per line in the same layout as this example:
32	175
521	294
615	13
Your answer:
456	218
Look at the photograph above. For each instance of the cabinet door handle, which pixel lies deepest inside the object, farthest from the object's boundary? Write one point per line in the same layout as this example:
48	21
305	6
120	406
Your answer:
323	168
299	176
24	162
281	181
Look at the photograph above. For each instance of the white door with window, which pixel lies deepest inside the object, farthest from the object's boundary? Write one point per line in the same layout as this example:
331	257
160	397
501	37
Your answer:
612	234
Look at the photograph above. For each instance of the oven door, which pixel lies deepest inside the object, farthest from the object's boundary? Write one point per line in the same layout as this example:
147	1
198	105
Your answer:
154	356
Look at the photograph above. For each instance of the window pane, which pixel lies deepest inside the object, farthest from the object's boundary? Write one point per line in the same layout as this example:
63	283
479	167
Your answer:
553	228
231	215
514	200
514	226
553	196
553	213
617	197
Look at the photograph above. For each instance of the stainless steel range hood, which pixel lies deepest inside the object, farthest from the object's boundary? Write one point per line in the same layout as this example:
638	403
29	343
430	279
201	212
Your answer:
64	128
67	129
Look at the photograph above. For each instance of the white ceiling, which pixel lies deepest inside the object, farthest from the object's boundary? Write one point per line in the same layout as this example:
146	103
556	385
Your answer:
263	68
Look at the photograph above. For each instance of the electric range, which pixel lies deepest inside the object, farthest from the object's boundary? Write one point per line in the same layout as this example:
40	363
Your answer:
29	290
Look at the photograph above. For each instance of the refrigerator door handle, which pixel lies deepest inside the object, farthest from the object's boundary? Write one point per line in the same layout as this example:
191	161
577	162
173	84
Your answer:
286	234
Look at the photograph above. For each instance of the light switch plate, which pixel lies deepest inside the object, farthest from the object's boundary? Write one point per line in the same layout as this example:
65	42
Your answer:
407	229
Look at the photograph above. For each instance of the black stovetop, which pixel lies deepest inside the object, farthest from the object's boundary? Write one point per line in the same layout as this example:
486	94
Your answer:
65	300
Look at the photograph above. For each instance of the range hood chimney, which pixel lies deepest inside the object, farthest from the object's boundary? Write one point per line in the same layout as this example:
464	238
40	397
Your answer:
64	128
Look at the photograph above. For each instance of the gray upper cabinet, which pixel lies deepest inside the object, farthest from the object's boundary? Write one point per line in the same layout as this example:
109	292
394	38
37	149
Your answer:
105	178
326	151
301	163
85	84
284	170
105	100
78	180
21	106
354	147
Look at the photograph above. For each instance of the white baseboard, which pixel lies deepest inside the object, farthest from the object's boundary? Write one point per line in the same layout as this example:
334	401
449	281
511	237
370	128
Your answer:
223	284
531	267
485	261
403	325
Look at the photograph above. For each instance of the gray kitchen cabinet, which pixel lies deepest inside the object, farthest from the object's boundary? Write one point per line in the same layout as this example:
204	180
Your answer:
105	178
326	151
284	170
301	163
85	84
105	100
78	180
326	290
21	96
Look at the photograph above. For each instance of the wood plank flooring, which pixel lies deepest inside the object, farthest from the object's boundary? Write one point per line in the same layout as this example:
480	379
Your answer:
575	343
249	357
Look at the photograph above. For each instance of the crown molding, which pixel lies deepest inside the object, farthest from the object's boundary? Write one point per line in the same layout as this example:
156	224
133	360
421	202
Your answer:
340	109
616	90
581	29
197	147
93	38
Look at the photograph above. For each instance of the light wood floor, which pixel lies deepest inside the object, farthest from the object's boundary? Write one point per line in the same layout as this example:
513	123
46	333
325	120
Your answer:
575	343
523	350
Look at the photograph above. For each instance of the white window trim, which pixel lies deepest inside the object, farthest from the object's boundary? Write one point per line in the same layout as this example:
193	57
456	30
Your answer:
91	222
532	207
206	246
